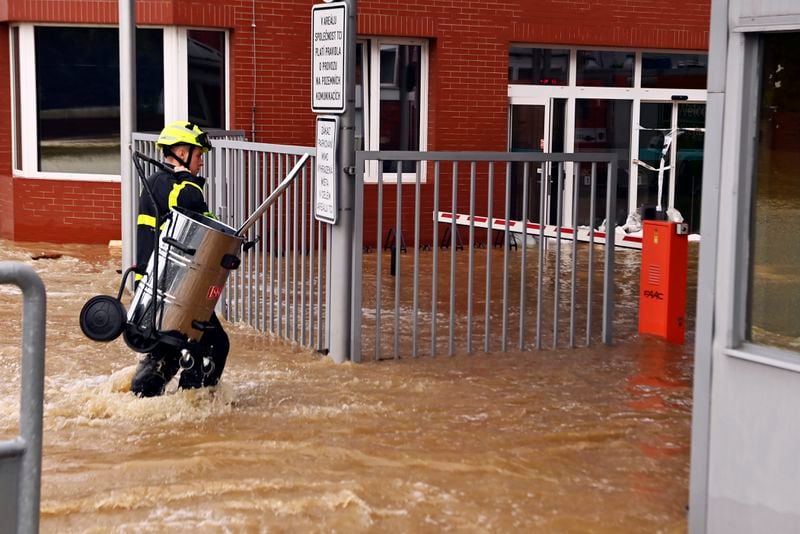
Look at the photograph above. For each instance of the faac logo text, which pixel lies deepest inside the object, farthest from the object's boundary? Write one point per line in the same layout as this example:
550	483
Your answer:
657	295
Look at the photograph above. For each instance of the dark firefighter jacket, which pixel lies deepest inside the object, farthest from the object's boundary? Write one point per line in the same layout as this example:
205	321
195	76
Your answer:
169	190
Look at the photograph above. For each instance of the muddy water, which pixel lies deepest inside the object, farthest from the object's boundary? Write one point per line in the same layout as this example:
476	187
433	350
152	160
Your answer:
592	440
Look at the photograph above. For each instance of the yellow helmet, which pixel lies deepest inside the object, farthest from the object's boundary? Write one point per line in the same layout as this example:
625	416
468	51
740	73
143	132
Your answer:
183	133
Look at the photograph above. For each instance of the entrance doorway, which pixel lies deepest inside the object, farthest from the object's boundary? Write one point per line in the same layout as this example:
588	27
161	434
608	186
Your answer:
674	131
535	127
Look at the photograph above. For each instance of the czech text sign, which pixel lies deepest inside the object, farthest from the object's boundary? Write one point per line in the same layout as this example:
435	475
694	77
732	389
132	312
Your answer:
328	30
327	170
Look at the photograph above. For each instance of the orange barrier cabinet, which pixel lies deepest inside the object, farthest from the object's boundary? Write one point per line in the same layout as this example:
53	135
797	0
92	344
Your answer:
662	282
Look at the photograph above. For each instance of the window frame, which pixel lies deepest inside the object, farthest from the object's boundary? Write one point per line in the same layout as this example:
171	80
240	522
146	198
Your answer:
176	105
520	93
371	47
735	211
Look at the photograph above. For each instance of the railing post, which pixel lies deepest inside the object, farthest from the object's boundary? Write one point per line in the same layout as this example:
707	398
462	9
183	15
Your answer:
29	444
343	275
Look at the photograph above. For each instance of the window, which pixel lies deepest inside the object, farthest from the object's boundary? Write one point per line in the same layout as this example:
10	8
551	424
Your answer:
605	68
206	78
774	281
673	71
68	127
538	66
77	96
391	100
77	99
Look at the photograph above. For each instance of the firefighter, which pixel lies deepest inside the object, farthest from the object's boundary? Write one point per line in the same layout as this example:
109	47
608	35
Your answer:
183	145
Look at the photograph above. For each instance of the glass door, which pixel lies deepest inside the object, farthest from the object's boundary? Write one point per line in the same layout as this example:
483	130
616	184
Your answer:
527	134
691	120
669	174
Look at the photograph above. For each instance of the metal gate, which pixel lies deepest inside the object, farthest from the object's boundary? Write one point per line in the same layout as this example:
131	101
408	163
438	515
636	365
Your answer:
463	268
280	287
547	292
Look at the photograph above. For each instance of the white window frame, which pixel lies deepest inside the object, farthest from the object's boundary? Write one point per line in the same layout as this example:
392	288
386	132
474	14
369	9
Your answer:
372	102
175	93
520	93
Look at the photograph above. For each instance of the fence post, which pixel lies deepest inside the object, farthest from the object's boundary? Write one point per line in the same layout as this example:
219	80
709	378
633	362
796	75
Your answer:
340	285
29	445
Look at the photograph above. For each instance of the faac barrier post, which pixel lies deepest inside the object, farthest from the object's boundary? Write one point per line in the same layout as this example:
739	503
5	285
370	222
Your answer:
662	280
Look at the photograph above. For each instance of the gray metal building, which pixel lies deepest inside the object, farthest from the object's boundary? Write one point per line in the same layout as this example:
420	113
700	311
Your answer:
745	472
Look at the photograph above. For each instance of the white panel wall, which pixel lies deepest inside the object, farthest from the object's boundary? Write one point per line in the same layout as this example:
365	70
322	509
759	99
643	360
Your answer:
755	462
766	8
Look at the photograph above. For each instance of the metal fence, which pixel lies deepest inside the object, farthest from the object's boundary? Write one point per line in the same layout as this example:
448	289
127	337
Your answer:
21	458
549	289
280	286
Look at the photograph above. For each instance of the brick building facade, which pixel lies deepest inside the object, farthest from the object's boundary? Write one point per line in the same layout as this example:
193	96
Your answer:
266	82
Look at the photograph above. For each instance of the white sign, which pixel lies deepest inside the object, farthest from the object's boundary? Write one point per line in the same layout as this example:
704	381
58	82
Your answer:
327	170
328	30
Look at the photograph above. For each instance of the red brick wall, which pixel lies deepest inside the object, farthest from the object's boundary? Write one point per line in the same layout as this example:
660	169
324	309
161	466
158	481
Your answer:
467	94
60	211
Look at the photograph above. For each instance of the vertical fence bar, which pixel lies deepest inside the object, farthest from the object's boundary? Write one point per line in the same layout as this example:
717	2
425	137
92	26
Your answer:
287	219
256	250
265	245
241	216
279	261
523	259
542	247
311	247
328	241
489	247
295	212
590	277
506	246
272	300
249	202
471	267
453	245
398	241
417	223
356	278
303	254
379	274
557	275
222	184
320	287
574	281
608	274
435	273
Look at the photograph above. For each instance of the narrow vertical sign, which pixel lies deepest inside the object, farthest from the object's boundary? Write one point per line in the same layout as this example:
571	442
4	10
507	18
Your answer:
328	30
326	170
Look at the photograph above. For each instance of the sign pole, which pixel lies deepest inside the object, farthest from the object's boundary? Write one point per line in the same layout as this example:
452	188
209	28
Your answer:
340	285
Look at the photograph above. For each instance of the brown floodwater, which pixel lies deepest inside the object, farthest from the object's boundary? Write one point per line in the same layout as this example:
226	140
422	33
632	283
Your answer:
584	440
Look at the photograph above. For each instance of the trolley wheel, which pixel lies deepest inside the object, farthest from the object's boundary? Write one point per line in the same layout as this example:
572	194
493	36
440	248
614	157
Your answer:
136	340
102	318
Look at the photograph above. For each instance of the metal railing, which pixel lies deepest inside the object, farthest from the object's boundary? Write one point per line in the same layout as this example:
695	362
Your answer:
281	284
21	458
560	264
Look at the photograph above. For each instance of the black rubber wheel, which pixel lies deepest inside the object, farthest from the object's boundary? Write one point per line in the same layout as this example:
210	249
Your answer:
136	341
102	318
